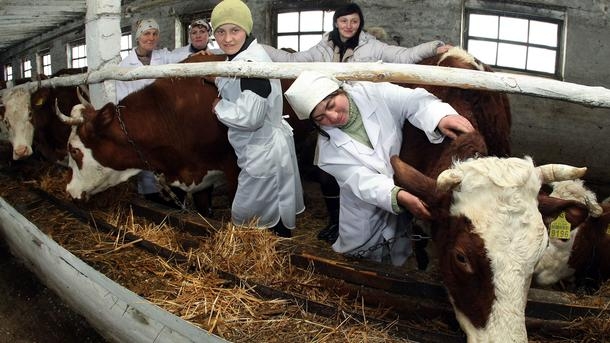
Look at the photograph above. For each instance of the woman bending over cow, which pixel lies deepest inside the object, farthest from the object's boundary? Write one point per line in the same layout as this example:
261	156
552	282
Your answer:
360	127
269	186
347	42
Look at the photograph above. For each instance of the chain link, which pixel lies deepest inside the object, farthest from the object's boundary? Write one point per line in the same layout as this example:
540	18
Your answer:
159	177
386	243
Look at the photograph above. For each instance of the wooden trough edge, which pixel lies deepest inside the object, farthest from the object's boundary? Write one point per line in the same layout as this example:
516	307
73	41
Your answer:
118	314
542	304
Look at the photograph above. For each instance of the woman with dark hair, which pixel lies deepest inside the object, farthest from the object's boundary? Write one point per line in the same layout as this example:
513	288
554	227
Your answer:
347	42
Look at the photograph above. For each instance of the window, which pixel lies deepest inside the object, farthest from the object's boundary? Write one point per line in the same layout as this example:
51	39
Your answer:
26	67
302	29
78	55
530	44
45	62
125	44
8	72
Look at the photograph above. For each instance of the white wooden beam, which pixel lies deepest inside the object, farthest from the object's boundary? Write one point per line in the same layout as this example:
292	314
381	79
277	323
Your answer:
377	72
114	311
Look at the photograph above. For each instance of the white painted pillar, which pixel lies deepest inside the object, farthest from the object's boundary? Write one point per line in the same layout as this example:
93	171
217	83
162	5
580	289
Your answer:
103	37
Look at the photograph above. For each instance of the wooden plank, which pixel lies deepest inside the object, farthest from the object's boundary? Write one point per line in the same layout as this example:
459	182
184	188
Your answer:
117	313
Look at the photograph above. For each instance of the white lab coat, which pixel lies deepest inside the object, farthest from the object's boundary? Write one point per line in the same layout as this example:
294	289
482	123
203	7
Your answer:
159	57
365	175
269	184
147	182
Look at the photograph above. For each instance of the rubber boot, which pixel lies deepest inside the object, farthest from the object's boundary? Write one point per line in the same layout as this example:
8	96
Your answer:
330	191
280	230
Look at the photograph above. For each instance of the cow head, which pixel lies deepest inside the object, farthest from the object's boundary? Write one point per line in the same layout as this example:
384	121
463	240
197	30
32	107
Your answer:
575	205
89	176
18	121
489	236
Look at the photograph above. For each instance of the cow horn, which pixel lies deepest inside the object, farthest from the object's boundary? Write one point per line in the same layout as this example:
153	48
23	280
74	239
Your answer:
65	119
449	179
559	172
80	95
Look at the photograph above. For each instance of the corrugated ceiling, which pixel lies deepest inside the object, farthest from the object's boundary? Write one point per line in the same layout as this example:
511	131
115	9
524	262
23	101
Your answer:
21	20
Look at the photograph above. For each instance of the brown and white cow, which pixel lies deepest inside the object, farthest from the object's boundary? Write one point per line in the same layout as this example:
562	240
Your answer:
485	223
579	230
489	236
31	120
167	127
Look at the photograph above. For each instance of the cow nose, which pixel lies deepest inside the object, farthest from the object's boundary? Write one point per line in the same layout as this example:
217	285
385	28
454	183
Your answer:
20	152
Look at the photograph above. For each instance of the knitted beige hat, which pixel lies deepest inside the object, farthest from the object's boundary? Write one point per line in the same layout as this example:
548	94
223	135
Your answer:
308	90
232	12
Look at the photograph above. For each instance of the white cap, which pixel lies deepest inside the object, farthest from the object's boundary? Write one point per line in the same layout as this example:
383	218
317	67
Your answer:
308	90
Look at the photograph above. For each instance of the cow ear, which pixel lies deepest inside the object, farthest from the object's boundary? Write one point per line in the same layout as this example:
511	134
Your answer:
104	116
550	208
40	97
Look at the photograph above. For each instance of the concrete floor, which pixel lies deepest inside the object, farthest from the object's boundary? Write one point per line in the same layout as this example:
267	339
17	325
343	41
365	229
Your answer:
32	313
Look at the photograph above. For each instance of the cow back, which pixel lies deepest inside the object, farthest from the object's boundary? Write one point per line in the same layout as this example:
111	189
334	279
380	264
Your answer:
172	127
489	113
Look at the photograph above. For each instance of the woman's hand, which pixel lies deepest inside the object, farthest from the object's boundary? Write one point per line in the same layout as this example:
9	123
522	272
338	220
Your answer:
443	49
452	125
414	204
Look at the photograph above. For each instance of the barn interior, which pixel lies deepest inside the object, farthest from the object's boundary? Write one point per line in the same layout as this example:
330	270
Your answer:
548	130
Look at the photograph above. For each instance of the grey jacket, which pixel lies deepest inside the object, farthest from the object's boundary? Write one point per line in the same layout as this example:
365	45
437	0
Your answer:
369	49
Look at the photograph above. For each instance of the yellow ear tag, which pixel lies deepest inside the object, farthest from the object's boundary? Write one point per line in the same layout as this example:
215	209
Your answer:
560	227
608	229
39	101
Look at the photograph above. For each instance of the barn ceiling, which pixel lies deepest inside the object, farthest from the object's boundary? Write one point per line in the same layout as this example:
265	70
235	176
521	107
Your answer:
21	20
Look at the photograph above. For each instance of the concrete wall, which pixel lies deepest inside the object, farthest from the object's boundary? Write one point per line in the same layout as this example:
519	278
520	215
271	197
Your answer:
547	130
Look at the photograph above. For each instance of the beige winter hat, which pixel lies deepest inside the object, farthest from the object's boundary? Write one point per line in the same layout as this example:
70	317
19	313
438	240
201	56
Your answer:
232	12
308	90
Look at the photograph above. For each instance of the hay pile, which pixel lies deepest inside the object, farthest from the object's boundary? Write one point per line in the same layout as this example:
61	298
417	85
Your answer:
194	290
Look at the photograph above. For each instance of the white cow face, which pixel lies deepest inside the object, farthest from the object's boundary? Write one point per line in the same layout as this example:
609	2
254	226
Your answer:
88	175
17	119
499	199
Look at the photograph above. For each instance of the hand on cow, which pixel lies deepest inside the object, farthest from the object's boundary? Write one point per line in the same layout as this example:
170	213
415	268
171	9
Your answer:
443	49
452	125
202	52
413	204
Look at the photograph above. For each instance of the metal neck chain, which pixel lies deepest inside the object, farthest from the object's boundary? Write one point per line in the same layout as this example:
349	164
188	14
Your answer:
158	176
386	243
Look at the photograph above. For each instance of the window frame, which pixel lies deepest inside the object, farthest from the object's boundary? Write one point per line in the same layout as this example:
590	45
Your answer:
126	32
8	76
71	59
24	71
299	6
40	62
553	15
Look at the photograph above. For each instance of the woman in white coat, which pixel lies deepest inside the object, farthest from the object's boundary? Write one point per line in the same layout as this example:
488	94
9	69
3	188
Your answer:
145	53
269	192
360	127
347	42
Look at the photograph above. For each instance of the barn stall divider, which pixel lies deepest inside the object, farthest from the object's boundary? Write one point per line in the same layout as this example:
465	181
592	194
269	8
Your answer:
589	96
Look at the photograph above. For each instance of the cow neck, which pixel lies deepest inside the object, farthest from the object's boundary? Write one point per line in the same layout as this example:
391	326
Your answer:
117	111
158	176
